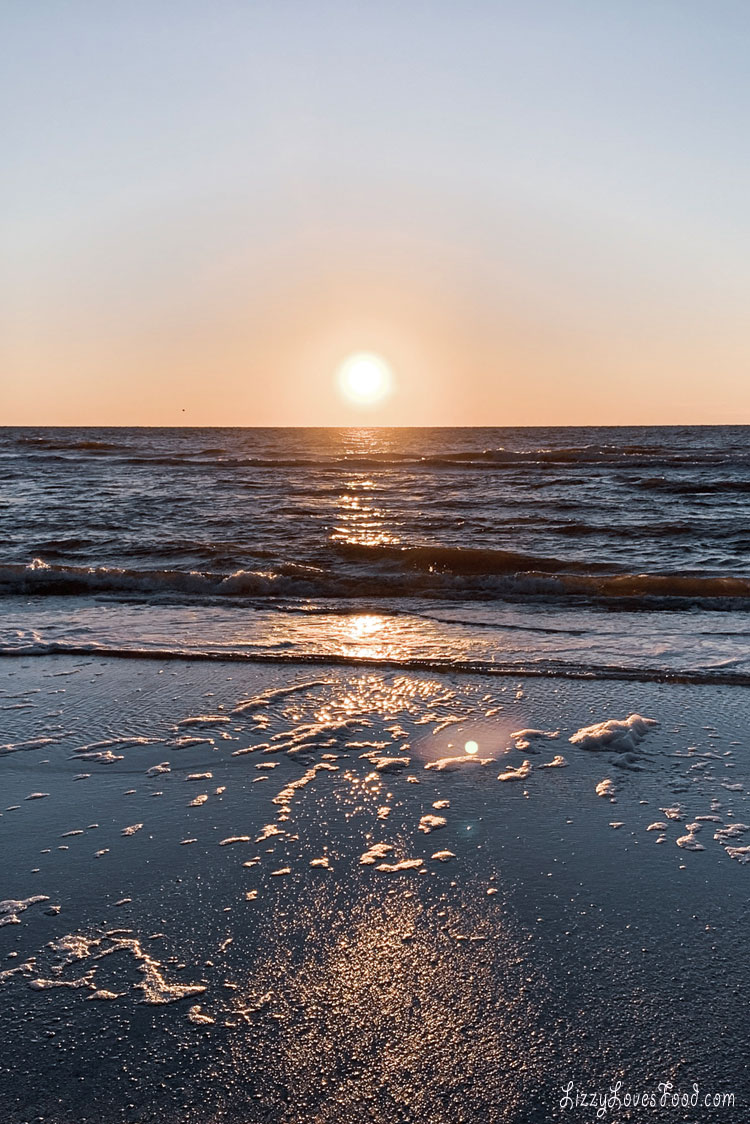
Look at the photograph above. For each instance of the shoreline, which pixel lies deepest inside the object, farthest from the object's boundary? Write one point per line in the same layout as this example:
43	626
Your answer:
480	669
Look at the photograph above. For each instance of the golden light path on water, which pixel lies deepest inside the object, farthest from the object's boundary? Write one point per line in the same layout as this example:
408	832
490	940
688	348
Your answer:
358	518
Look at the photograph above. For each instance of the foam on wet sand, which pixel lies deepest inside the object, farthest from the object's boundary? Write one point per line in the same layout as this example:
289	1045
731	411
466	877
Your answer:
521	773
335	816
622	735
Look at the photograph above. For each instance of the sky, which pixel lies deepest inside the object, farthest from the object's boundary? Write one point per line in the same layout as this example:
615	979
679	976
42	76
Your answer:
535	212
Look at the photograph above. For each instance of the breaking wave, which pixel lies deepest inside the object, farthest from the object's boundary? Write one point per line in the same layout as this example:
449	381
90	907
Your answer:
390	572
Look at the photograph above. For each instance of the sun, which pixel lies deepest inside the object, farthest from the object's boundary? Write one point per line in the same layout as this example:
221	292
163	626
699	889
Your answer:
365	378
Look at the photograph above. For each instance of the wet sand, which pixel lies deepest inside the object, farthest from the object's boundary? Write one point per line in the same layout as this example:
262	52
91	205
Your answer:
262	894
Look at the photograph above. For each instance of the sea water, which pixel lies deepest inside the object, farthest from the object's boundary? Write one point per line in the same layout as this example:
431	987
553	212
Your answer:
605	551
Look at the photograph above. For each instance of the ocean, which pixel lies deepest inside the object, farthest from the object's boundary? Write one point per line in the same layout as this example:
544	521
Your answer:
575	551
374	776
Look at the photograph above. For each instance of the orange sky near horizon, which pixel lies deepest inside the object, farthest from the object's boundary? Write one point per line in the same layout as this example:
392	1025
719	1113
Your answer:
534	213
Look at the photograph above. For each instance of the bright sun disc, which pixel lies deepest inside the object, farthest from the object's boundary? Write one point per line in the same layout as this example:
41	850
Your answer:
365	378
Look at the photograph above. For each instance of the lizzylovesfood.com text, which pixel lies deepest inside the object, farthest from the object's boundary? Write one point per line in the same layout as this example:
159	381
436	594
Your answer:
664	1096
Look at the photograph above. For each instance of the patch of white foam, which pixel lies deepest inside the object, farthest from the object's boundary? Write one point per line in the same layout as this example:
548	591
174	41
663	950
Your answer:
204	720
42	984
285	797
157	770
156	990
689	842
104	757
77	947
450	764
731	831
272	694
11	908
621	734
524	738
249	749
200	1018
377	851
740	854
430	823
519	774
31	743
391	764
269	830
404	864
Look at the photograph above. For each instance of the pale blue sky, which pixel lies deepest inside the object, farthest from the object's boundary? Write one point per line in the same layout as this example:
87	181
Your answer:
537	212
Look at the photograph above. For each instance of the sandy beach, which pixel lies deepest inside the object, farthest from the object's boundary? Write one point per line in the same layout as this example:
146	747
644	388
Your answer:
263	894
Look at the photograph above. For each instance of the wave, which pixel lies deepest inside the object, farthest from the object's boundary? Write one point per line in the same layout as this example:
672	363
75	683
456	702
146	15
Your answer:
377	572
81	444
540	669
602	455
40	577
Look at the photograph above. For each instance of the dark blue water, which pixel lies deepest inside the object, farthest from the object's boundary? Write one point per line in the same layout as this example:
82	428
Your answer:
609	546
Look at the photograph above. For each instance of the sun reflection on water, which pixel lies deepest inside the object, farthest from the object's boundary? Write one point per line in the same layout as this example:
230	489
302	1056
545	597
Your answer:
366	636
359	520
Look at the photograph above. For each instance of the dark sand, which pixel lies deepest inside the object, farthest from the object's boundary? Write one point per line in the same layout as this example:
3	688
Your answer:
166	980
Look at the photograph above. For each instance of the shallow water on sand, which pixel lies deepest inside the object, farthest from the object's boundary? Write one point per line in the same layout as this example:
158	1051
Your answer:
259	894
